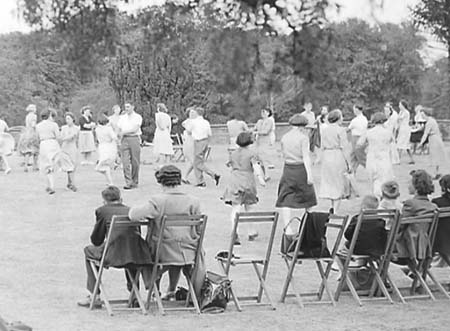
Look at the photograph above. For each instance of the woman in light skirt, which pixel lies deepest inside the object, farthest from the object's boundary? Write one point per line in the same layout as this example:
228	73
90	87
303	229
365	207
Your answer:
162	142
107	148
436	145
29	142
86	143
188	144
6	145
69	138
404	131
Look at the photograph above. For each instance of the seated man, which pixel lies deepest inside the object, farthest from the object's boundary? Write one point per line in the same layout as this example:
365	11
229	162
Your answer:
127	247
177	249
372	235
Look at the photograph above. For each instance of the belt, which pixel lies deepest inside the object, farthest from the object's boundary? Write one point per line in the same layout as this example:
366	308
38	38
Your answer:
200	139
47	139
130	135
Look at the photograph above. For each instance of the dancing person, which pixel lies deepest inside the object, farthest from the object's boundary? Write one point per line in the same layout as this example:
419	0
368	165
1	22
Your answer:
69	138
200	130
6	144
127	247
322	122
129	125
308	114
441	242
107	148
335	162
241	188
235	126
296	189
86	143
263	131
412	240
175	248
50	156
378	165
418	128
29	141
162	142
435	144
358	128
392	125
113	120
404	131
188	144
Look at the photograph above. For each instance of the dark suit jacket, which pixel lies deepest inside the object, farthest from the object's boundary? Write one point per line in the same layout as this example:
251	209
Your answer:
371	239
413	241
442	240
126	246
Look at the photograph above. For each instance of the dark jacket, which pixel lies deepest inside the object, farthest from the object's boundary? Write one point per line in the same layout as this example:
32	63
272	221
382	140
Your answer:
314	243
371	239
442	240
413	241
126	246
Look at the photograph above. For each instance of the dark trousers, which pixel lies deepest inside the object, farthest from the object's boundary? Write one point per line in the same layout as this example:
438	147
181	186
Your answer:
200	149
130	150
95	253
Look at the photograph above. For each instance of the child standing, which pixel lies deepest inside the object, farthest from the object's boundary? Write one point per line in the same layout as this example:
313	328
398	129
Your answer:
241	189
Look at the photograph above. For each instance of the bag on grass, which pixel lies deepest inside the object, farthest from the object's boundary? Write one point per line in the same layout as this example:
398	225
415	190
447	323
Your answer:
215	293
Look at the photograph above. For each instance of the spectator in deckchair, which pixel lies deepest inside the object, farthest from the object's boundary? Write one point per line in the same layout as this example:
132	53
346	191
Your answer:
127	247
372	234
413	241
177	251
390	191
442	242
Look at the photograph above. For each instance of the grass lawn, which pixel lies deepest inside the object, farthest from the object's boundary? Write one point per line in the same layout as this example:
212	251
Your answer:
43	274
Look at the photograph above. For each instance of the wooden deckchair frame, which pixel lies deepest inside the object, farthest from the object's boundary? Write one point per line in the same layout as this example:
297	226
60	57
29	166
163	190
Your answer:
378	267
117	221
226	262
292	259
196	223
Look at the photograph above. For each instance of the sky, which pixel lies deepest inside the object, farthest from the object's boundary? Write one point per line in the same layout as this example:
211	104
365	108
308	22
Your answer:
393	11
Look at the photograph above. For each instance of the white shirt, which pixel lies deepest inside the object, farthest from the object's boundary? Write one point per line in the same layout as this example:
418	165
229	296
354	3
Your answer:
130	124
310	117
199	128
3	126
358	125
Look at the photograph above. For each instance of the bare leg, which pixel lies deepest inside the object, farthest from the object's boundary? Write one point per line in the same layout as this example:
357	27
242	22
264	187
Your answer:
27	162
286	214
252	230
50	182
7	167
411	159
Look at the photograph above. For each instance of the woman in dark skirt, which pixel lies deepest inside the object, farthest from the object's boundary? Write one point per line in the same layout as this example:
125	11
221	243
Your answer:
296	189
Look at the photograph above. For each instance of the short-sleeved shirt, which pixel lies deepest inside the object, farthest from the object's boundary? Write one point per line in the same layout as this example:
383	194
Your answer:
358	125
310	117
199	128
235	127
3	126
128	122
293	143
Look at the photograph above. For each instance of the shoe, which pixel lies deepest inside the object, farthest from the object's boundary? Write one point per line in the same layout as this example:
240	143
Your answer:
252	237
437	176
237	241
169	296
128	187
331	211
270	166
412	162
201	185
217	179
7	171
50	190
134	303
72	187
185	181
87	302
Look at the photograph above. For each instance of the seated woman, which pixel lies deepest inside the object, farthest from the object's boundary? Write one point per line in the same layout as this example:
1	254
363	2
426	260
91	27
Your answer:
442	242
390	192
412	240
176	252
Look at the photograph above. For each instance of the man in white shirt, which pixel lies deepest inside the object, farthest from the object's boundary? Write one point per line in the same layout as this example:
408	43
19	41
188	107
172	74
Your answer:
358	128
200	130
129	126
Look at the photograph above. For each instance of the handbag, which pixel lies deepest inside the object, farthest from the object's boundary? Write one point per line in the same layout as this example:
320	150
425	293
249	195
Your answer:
215	293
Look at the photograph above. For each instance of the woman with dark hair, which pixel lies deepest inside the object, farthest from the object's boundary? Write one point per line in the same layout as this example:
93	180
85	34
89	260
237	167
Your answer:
264	129
392	125
235	126
162	142
413	241
335	161
86	143
435	143
379	164
241	187
50	156
417	128
442	240
69	137
296	189
107	148
175	250
404	131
